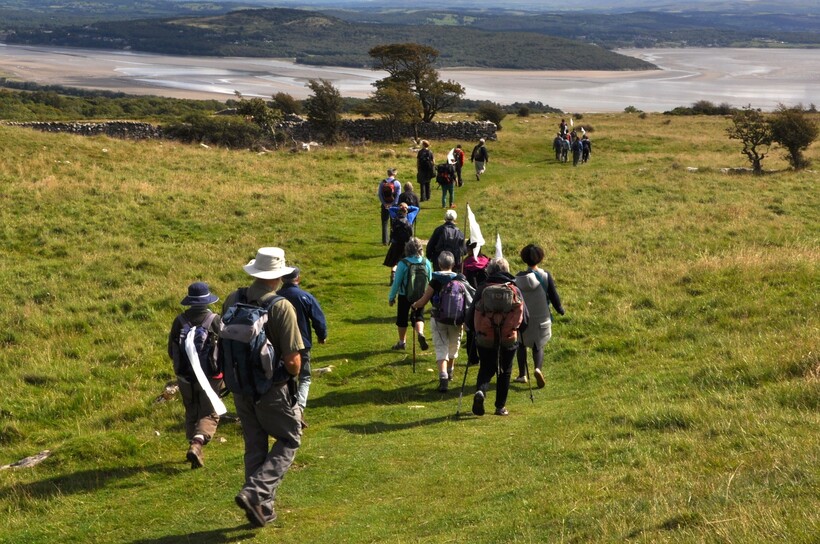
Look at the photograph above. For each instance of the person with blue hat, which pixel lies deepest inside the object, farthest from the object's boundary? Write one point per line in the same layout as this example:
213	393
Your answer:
201	420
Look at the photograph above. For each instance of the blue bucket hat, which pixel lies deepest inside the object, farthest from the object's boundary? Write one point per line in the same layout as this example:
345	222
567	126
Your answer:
199	295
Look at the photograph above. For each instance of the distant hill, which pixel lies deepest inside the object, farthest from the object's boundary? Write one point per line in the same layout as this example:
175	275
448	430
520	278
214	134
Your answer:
311	37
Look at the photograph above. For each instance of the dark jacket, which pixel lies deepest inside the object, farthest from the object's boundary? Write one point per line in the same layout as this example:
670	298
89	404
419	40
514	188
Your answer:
195	315
308	313
480	154
446	237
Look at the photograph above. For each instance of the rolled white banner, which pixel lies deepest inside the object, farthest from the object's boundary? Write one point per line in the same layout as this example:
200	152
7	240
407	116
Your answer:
193	357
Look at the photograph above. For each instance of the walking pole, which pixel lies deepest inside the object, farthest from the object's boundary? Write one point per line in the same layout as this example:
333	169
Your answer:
465	230
413	334
527	373
463	383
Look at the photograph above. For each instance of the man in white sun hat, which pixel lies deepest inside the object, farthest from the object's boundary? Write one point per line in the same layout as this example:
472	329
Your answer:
268	409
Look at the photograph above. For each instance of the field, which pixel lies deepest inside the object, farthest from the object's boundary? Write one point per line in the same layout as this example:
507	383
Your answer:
683	385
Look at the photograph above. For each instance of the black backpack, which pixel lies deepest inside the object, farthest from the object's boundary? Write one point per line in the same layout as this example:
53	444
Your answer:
205	344
450	241
445	174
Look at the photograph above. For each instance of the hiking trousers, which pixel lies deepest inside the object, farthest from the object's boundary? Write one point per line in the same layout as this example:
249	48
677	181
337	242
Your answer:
489	362
272	416
200	418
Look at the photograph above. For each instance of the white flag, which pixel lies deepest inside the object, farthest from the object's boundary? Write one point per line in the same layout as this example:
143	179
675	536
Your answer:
498	253
571	123
193	357
475	231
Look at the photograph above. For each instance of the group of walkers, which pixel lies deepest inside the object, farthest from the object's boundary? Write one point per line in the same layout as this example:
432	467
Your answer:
503	315
448	174
568	141
258	349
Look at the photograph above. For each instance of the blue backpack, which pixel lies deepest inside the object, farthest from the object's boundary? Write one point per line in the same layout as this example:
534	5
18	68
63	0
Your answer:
205	345
248	359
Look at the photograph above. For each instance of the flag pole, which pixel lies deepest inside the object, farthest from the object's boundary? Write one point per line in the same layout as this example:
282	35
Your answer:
465	230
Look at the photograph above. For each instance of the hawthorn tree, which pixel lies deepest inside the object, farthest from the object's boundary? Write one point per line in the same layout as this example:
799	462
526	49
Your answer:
324	109
792	129
411	66
750	127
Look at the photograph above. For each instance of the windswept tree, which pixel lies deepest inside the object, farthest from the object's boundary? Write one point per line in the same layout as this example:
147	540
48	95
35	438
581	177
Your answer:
324	109
792	129
750	127
411	66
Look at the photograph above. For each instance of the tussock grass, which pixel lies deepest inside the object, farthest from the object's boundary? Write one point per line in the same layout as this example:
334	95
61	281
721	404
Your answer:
682	385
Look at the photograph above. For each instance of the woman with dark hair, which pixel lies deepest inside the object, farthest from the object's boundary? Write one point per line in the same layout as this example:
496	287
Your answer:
401	230
538	290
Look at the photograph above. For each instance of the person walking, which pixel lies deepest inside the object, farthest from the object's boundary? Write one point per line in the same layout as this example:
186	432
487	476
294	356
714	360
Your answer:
270	411
450	301
388	193
402	219
558	146
309	315
577	150
425	170
480	157
496	317
458	162
538	289
201	420
405	280
446	237
587	148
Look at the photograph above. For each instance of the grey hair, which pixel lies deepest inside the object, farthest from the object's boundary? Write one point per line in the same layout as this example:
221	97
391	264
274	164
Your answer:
412	248
446	260
498	265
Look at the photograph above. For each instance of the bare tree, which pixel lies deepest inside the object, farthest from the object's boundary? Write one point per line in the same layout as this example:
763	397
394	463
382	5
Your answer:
750	127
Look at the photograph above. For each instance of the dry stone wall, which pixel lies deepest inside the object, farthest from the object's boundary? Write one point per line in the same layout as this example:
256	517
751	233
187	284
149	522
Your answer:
116	129
374	130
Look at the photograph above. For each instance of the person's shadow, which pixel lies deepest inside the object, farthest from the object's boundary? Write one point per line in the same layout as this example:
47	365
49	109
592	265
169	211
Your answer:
215	536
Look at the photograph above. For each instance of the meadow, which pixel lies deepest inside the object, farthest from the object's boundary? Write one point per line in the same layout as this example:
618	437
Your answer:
683	385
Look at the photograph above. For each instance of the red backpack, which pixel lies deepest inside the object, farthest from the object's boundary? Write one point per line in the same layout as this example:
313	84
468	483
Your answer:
498	314
387	189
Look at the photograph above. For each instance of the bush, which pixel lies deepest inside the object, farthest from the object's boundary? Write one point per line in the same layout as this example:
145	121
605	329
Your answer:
523	111
491	112
232	132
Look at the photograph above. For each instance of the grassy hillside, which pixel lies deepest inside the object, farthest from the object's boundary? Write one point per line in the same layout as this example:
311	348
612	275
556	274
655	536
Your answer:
313	38
683	385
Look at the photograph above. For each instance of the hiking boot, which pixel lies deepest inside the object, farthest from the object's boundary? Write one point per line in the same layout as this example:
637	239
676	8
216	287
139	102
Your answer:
450	372
253	511
539	378
195	455
399	346
520	379
423	342
270	517
502	411
443	385
478	403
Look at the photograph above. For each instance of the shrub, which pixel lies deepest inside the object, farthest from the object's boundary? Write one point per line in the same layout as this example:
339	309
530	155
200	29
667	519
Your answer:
491	112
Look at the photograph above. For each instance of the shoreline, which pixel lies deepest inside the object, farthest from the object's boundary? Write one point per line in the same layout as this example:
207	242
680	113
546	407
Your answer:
760	77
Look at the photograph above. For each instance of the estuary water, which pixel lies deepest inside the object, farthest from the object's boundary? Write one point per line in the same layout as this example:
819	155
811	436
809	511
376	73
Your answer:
762	78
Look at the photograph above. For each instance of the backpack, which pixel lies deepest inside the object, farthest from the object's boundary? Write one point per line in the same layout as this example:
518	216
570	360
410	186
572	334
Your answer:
445	174
416	280
387	191
205	345
248	359
450	303
498	315
450	241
